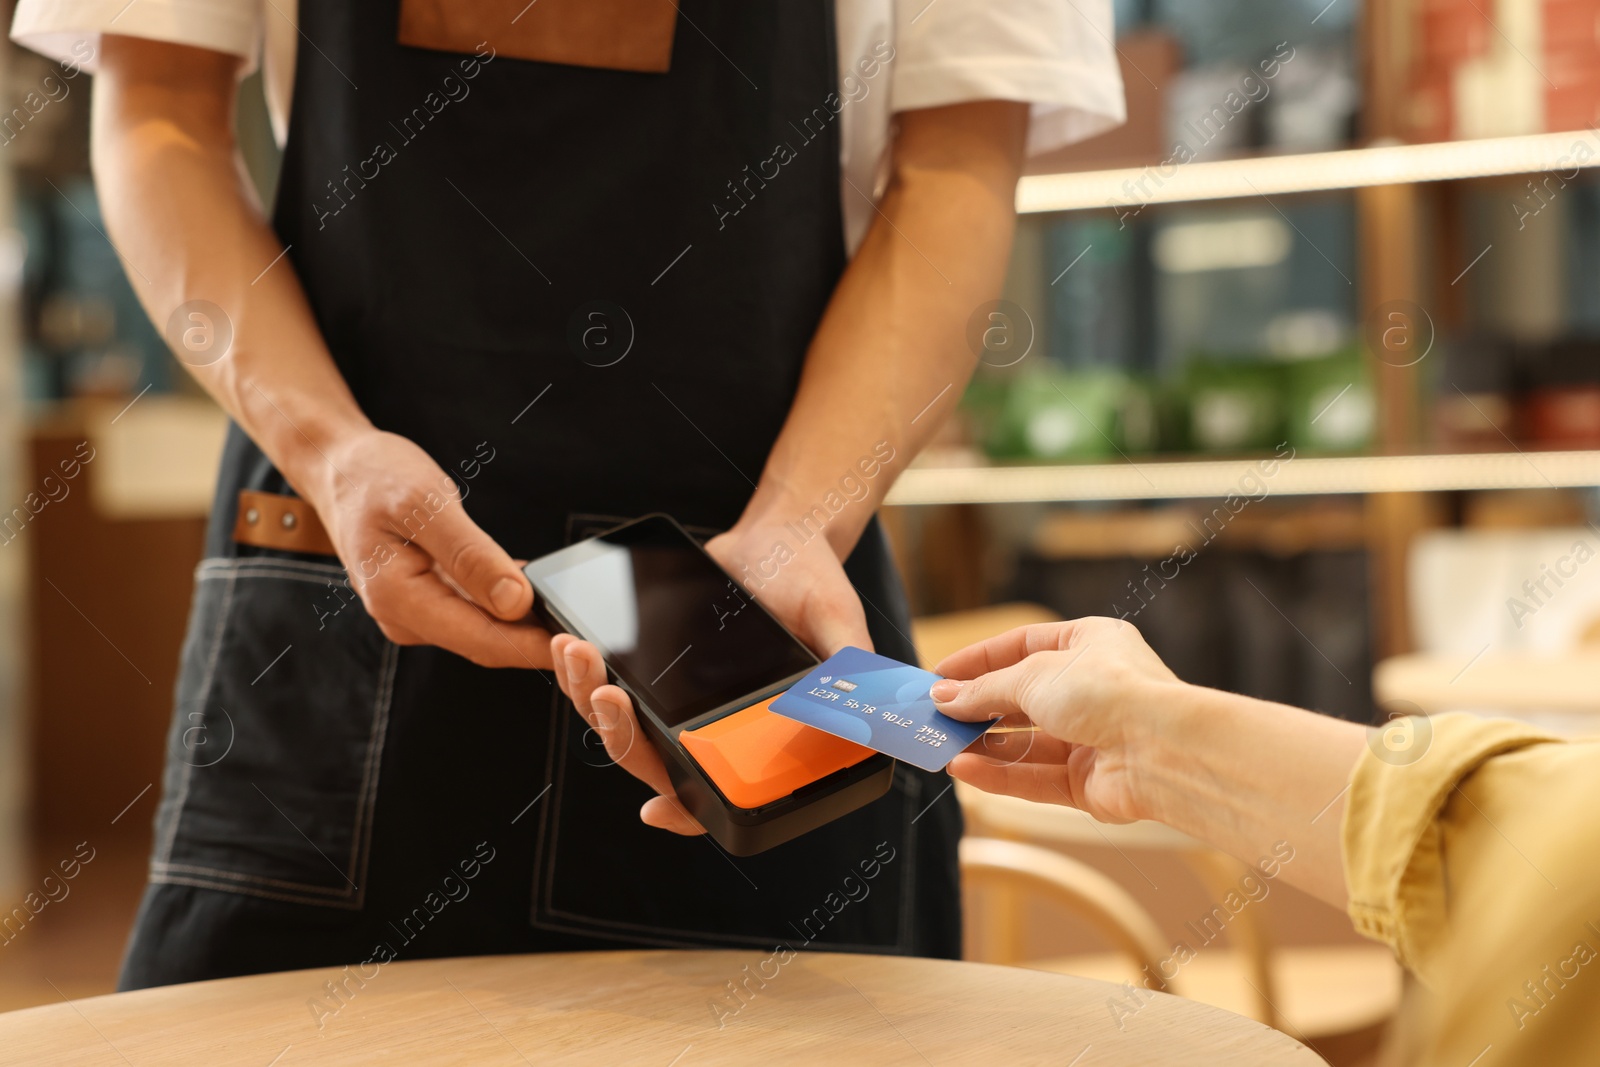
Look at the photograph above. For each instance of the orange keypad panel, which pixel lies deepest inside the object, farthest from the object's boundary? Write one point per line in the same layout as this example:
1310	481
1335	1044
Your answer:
757	756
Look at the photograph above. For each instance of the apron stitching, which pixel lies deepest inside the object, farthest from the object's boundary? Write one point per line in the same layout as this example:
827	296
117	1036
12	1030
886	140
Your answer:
165	851
239	876
592	521
212	570
908	892
252	892
558	745
552	768
635	938
227	563
289	575
362	844
596	523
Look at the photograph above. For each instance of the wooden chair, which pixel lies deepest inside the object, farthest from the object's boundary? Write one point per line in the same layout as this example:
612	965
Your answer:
1323	994
1337	993
936	636
1075	885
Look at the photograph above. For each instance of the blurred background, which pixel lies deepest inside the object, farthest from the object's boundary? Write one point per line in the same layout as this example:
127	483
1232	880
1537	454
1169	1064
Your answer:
1299	371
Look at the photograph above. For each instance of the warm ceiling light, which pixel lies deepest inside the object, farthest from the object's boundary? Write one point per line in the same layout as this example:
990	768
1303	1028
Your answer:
1132	187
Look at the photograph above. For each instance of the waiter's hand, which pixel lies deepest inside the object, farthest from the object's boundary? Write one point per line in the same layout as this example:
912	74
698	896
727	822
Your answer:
809	593
425	571
606	708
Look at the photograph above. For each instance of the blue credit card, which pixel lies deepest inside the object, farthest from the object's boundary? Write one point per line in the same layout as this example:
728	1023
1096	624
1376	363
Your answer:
880	703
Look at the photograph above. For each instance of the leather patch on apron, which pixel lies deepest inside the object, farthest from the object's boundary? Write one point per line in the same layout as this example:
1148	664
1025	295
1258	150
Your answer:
271	520
631	35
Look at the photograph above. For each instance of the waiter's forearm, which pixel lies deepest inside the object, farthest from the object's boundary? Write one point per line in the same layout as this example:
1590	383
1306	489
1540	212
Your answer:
182	214
890	357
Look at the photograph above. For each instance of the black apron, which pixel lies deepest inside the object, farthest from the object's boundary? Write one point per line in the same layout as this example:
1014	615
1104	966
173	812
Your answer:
458	221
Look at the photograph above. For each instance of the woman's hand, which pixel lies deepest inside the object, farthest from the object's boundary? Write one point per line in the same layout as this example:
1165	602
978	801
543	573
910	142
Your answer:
425	571
807	591
1121	738
1097	694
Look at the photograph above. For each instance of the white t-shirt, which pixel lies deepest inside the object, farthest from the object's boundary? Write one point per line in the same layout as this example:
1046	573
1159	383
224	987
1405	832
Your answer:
1057	55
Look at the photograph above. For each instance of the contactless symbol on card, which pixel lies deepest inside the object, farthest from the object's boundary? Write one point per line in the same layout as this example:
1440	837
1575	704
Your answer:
880	703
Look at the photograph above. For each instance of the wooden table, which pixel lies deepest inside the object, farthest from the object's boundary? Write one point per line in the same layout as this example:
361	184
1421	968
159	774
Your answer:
1557	688
669	1009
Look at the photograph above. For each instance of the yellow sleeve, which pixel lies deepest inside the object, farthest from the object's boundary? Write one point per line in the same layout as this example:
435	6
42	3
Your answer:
1391	837
1479	863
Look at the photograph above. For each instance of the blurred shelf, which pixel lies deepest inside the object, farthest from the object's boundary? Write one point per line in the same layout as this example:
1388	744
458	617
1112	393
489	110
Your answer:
1350	168
1276	528
155	457
1177	479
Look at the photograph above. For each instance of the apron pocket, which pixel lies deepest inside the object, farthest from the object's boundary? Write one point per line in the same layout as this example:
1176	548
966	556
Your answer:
272	759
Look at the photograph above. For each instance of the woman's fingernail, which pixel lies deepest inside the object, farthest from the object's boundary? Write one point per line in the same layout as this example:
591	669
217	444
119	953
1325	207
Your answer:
504	596
577	668
605	714
946	689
